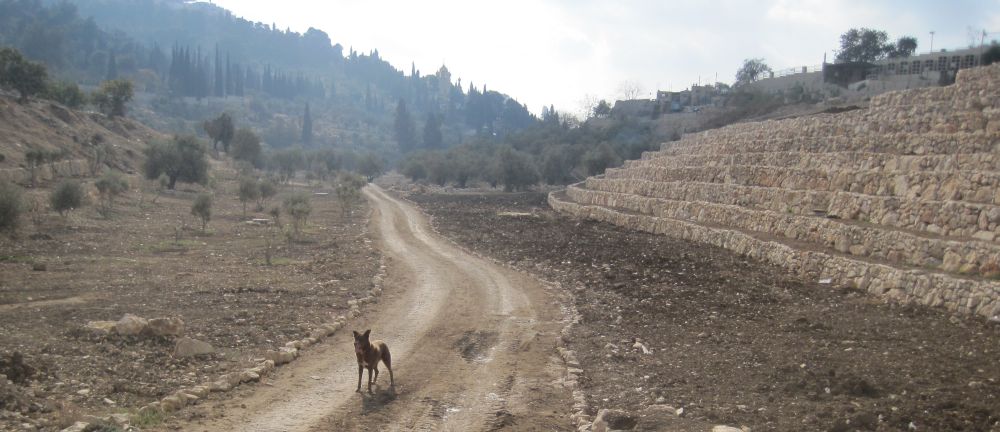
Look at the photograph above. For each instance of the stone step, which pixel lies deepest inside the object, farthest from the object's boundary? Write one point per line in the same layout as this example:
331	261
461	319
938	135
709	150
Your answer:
968	186
899	247
838	160
793	139
945	218
971	296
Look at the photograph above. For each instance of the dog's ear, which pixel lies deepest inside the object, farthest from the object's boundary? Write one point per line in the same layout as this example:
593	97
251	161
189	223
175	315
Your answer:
356	335
367	332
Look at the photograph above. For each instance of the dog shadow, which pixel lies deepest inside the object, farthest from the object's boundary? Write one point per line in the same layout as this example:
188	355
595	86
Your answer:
379	399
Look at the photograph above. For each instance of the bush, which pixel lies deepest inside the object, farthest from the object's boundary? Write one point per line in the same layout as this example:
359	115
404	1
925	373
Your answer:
600	158
248	192
348	189
110	185
297	207
246	147
11	206
66	93
267	189
202	208
112	96
514	169
26	77
66	197
182	158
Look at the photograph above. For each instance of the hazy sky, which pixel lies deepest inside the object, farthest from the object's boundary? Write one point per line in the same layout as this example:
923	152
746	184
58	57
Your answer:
561	51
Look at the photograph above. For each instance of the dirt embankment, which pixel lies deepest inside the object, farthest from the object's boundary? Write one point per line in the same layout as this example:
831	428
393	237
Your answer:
735	341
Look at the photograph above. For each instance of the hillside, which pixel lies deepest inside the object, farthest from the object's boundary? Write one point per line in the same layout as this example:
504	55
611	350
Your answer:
73	137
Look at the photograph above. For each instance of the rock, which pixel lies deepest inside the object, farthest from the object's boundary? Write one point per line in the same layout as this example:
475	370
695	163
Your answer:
723	428
612	419
130	325
166	326
187	347
249	376
83	392
101	328
77	427
120	419
220	386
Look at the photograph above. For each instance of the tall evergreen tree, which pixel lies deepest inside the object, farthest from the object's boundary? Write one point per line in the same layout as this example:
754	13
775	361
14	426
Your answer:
220	80
307	127
432	132
406	133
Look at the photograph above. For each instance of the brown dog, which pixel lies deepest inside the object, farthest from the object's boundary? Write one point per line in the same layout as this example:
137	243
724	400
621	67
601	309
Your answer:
369	353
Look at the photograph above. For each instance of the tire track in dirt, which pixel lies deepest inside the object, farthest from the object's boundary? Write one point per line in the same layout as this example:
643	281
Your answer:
437	295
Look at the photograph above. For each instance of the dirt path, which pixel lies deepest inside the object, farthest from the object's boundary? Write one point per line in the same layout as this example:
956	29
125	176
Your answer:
471	342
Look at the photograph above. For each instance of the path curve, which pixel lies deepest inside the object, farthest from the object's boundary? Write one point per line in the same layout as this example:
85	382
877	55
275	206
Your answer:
472	345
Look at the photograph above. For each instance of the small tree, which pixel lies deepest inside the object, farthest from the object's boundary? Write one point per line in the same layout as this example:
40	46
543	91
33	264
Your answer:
221	130
202	208
348	190
66	93
248	192
246	147
371	166
11	206
602	110
67	196
863	45
752	70
35	158
26	77
905	47
112	96
297	207
109	186
182	158
287	162
514	169
266	190
599	158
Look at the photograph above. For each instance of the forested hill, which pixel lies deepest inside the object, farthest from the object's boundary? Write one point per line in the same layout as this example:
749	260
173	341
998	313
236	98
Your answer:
191	58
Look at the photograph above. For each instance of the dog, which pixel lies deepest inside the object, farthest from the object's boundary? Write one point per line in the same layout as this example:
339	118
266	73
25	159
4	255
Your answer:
369	354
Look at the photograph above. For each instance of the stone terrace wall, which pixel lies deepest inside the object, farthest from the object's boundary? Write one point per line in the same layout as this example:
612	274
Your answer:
901	199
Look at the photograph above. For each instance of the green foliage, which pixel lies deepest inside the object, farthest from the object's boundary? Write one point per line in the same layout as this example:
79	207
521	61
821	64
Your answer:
348	189
432	132
246	147
221	130
298	207
66	197
992	54
557	164
752	70
182	158
870	45
11	206
514	169
249	191
112	96
405	128
202	208
371	165
26	77
266	189
602	110
286	162
109	186
66	93
598	159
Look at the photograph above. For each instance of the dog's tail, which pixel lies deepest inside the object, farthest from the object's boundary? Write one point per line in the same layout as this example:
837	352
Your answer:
386	357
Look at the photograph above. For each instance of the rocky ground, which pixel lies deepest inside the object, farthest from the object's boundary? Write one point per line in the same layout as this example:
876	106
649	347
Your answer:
727	340
151	259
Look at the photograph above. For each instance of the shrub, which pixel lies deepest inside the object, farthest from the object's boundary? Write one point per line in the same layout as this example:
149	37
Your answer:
348	189
248	192
182	158
67	196
246	147
297	207
267	189
202	208
110	185
514	169
26	77
66	93
11	206
112	96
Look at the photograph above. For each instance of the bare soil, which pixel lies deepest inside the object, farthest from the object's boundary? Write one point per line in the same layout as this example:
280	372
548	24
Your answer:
59	273
732	340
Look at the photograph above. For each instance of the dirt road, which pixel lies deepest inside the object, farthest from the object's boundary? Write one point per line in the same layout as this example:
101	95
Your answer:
471	341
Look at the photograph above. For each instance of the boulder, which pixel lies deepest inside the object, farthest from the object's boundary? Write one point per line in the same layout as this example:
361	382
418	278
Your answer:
187	347
101	328
612	419
166	326
130	325
77	427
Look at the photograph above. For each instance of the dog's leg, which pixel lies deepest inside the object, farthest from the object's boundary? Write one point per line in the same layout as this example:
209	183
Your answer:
387	360
369	380
361	371
376	374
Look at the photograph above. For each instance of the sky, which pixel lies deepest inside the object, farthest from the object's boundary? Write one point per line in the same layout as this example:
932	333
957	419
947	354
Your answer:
568	52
